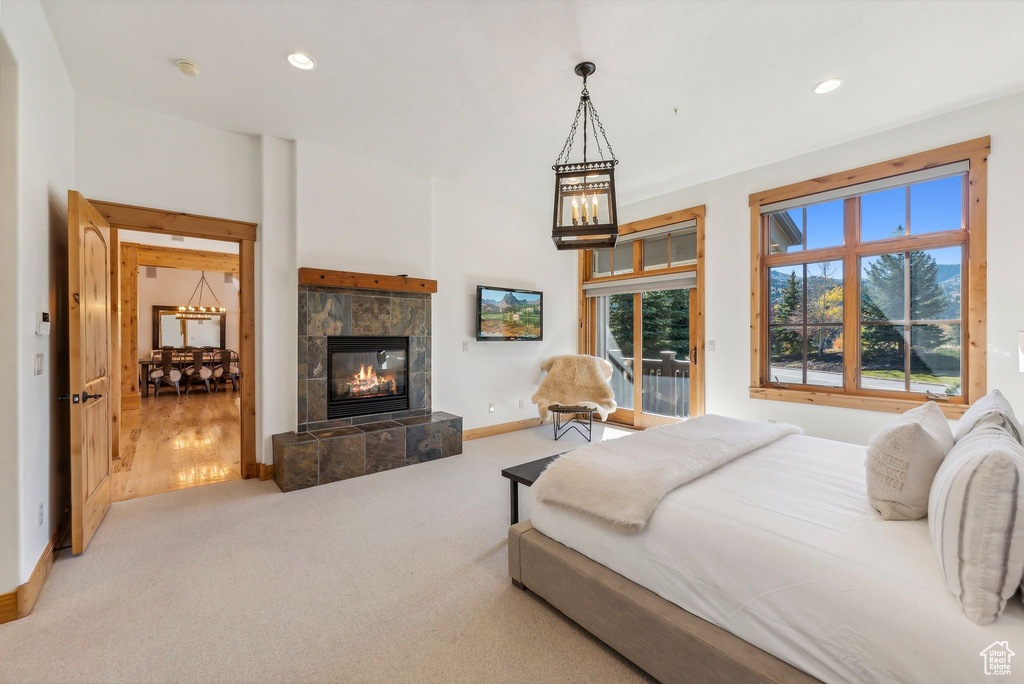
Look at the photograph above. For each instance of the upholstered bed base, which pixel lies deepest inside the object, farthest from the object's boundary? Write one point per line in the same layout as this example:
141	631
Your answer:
660	637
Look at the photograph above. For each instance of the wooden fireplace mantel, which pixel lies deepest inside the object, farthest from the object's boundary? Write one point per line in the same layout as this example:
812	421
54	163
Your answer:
365	281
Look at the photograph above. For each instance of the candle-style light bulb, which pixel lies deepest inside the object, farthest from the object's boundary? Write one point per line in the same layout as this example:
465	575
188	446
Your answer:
575	212
585	217
594	214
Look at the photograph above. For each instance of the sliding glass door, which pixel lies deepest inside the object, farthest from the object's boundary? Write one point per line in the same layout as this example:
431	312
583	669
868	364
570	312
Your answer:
665	331
646	337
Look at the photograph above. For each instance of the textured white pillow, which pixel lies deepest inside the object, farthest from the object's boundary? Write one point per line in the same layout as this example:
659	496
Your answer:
991	408
977	522
902	461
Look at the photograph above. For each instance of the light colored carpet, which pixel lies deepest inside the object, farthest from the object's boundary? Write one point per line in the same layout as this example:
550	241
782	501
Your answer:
399	576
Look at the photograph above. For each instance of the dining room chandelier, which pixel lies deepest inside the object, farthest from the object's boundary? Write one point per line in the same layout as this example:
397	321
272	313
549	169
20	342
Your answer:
197	311
585	209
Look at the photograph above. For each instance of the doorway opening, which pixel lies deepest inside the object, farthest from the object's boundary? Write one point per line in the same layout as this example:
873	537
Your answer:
180	421
105	376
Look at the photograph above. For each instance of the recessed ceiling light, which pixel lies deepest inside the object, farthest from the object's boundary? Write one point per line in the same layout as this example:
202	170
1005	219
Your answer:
188	68
301	61
827	86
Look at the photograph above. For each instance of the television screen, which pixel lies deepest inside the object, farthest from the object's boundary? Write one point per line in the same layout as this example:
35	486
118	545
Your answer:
504	314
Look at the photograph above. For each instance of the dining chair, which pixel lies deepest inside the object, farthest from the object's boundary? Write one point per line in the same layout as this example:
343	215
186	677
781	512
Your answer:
198	369
166	373
227	366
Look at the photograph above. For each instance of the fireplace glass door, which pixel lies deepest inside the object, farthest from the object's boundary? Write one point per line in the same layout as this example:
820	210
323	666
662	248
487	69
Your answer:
367	375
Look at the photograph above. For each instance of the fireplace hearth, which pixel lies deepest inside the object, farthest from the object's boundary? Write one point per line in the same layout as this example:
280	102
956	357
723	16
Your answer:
367	375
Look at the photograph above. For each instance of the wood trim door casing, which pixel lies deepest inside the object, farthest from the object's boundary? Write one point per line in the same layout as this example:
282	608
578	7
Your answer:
194	259
129	328
247	355
130	217
586	315
148	220
974	296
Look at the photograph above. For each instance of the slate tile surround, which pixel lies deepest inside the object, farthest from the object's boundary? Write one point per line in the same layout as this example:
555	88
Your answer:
321	451
325	311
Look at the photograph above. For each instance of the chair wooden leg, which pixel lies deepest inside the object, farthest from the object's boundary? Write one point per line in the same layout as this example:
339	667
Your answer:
177	387
207	382
234	382
188	385
156	389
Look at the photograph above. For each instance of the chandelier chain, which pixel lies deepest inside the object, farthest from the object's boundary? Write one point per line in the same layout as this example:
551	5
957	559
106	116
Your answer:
600	127
567	147
588	110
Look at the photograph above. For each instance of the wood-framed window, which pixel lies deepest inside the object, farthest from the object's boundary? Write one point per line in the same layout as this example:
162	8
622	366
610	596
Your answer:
868	287
641	307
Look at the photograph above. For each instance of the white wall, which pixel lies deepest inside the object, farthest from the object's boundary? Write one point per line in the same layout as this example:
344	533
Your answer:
479	240
356	214
173	287
728	280
277	296
135	156
44	169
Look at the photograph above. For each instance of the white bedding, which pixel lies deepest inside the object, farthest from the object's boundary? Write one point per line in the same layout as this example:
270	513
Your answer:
782	548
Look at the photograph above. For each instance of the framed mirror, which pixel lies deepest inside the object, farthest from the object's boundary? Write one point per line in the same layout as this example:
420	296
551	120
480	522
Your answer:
169	331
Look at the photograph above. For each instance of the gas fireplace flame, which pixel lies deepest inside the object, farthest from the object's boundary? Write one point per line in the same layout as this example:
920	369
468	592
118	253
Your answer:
368	382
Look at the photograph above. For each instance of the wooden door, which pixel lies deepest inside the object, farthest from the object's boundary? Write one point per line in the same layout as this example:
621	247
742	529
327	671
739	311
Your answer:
90	368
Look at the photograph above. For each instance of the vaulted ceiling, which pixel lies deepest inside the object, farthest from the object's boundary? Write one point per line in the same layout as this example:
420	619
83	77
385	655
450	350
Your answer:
484	91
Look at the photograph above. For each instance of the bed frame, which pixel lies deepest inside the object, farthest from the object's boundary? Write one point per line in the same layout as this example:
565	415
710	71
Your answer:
664	640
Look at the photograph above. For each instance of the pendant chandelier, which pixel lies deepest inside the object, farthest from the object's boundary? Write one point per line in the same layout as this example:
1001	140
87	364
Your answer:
585	210
197	311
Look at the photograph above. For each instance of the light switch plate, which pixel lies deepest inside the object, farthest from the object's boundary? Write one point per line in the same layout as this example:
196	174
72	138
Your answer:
711	345
465	345
38	365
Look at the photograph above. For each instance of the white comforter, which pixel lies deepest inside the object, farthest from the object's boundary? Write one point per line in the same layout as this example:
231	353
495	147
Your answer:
782	548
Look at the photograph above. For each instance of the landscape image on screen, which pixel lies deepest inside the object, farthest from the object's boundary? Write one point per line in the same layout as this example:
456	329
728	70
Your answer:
504	313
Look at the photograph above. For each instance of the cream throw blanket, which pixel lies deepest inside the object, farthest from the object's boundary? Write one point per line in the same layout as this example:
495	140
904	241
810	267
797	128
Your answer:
622	480
576	380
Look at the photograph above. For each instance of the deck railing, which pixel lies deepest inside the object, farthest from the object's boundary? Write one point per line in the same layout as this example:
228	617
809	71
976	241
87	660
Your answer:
665	385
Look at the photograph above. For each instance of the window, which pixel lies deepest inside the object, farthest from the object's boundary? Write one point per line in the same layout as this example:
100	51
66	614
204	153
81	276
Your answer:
873	293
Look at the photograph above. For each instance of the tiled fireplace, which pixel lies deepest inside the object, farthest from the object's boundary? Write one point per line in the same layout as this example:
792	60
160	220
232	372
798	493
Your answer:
364	388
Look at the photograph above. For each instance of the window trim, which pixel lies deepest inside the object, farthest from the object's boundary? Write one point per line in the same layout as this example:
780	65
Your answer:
973	282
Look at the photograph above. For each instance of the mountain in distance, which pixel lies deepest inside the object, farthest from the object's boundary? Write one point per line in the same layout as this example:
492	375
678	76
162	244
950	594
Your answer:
506	302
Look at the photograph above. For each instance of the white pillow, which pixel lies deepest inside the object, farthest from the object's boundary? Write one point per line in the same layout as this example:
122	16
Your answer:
902	461
991	408
977	522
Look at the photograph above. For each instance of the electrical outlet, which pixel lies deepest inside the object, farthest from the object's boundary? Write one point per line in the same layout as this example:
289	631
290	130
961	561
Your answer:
522	403
490	407
465	345
40	513
38	368
711	345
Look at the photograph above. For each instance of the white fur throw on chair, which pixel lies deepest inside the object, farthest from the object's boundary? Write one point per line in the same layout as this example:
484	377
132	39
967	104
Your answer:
576	380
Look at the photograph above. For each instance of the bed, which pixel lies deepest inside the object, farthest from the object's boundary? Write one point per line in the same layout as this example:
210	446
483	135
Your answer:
774	567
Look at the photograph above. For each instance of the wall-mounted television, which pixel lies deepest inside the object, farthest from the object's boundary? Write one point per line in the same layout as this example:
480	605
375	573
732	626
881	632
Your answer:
507	315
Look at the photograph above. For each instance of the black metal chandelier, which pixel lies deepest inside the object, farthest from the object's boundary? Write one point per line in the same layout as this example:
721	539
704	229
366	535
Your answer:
585	211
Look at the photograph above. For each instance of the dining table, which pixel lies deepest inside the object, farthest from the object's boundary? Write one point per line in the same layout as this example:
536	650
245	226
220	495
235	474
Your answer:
180	361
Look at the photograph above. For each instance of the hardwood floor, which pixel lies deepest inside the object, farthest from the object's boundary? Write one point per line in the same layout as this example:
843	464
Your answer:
176	442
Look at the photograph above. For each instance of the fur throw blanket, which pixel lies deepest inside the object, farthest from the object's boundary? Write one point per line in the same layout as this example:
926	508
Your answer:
576	380
622	480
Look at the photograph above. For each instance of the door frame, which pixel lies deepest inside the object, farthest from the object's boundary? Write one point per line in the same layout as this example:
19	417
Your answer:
587	315
243	233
